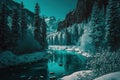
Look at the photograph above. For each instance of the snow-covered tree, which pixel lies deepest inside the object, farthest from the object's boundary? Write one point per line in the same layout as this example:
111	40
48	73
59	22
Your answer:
56	41
98	26
68	37
113	24
75	33
105	62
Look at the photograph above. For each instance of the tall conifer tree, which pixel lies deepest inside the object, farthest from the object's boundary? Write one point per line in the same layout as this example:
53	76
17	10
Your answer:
43	27
4	29
23	21
37	31
113	25
15	28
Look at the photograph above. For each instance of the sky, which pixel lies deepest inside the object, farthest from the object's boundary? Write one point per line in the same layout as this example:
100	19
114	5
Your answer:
57	8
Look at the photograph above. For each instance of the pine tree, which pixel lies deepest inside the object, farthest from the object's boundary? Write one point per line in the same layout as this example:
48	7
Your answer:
97	26
15	28
76	33
43	27
68	37
37	31
23	22
4	29
113	25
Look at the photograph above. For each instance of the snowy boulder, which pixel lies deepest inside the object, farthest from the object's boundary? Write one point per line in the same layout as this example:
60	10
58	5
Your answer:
7	58
111	76
69	49
86	54
77	49
75	76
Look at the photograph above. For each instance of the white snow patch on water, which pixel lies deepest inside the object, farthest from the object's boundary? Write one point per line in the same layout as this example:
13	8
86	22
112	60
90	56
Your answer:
70	48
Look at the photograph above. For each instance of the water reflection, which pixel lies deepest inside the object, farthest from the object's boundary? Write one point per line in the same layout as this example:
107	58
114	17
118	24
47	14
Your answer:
30	71
59	64
64	62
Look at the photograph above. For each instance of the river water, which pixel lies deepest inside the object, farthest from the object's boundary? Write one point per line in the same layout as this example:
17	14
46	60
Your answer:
63	62
59	64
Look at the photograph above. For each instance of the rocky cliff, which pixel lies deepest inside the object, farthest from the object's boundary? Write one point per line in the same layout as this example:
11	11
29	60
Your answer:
92	25
81	13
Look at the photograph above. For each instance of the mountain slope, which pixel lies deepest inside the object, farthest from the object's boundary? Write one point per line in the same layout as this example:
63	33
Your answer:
52	24
91	25
11	5
27	45
81	13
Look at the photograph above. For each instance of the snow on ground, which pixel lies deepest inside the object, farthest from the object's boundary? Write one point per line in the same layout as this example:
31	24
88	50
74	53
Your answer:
111	76
7	58
74	76
70	48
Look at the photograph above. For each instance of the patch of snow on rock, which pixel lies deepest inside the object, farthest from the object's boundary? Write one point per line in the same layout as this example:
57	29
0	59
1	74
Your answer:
74	76
111	76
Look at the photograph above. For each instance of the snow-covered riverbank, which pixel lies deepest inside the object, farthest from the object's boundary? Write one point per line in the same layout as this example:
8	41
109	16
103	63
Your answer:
111	76
7	58
75	76
70	48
